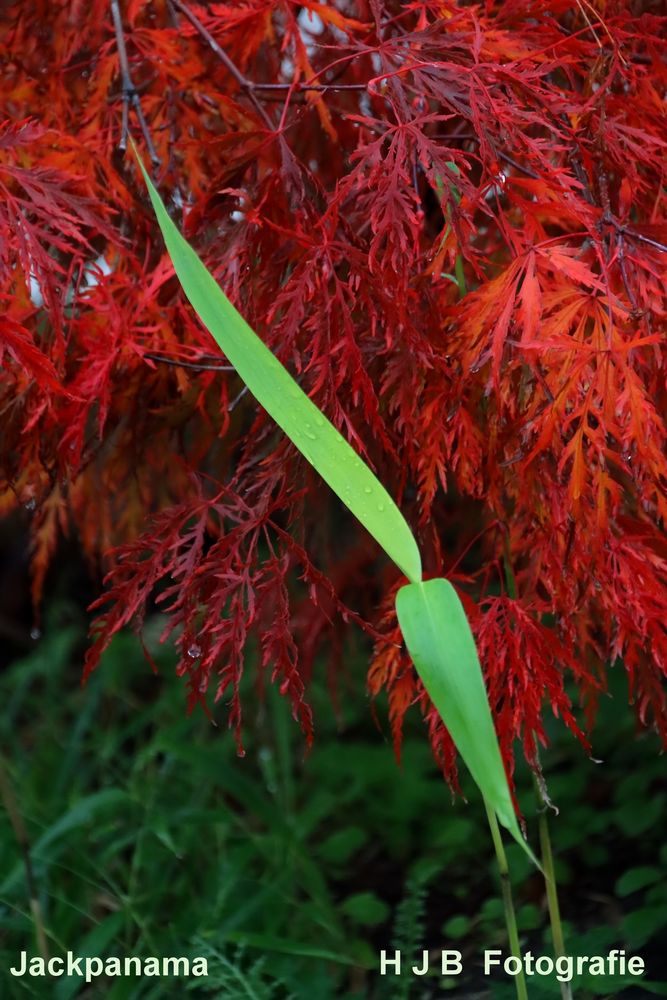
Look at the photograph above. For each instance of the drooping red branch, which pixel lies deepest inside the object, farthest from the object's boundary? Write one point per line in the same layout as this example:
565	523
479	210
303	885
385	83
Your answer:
446	220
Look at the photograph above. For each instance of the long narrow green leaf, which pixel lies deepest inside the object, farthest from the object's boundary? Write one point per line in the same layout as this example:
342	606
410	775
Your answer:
439	640
431	617
272	385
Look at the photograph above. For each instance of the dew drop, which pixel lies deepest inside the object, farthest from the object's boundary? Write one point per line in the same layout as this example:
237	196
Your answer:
35	634
240	752
380	507
319	421
368	489
313	437
30	504
194	651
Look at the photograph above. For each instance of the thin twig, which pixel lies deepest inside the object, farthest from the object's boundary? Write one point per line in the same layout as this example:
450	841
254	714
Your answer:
517	166
194	365
642	238
237	399
620	244
587	20
247	85
310	86
627	231
129	91
607	31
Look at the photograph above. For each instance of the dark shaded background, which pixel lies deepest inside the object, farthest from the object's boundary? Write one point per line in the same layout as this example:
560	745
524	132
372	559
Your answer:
149	836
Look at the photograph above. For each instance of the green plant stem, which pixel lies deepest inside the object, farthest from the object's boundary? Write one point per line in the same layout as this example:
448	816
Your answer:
508	904
551	889
16	819
460	275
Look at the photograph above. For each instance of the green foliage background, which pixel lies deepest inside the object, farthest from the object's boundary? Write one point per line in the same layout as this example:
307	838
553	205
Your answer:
151	837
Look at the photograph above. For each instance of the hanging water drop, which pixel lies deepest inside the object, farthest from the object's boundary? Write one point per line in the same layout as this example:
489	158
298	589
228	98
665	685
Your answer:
240	752
35	633
194	651
30	504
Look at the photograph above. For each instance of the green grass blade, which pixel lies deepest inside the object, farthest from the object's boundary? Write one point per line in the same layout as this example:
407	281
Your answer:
431	617
272	385
440	642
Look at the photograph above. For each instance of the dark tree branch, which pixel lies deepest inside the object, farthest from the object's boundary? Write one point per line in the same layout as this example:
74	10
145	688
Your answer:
196	366
620	244
247	85
310	86
237	399
129	91
193	365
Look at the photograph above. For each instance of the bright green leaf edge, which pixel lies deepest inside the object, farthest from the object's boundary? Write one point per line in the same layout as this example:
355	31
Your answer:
431	617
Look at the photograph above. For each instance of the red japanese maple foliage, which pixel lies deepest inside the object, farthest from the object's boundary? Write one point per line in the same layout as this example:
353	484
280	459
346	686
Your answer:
446	219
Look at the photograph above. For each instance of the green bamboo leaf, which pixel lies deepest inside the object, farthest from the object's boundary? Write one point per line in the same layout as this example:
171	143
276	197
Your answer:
272	385
439	640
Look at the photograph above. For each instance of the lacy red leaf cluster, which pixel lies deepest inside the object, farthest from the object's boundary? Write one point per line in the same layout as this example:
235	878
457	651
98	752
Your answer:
448	221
